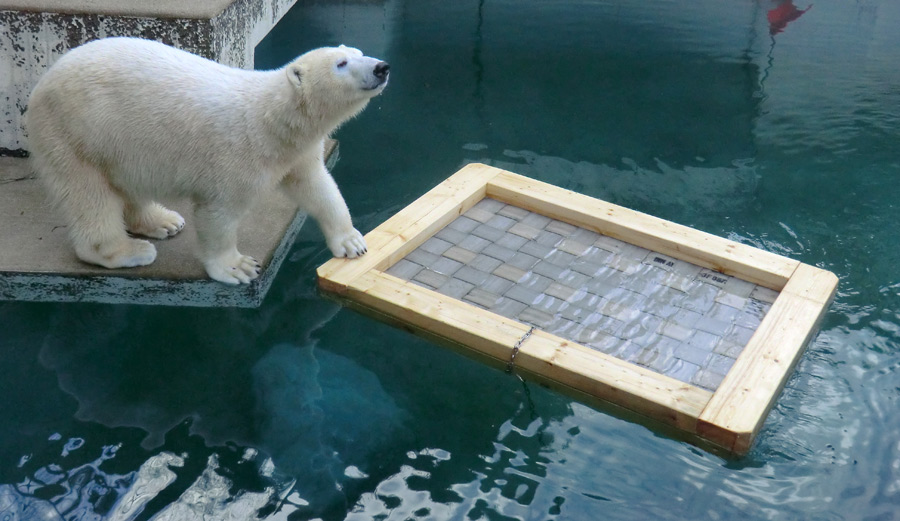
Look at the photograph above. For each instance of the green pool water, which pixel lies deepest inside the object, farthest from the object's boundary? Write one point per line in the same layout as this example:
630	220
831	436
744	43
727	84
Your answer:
746	119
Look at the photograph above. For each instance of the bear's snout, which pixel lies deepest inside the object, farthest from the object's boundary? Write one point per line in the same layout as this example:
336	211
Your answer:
381	70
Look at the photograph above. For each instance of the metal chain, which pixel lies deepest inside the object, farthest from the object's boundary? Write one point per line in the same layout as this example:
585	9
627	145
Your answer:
510	366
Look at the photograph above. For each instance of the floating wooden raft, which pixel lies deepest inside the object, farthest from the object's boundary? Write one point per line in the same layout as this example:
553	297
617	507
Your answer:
680	326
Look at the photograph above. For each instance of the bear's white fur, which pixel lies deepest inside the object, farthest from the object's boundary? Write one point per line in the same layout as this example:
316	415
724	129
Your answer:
118	124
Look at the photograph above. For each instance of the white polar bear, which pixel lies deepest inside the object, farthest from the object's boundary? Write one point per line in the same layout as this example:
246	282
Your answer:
118	124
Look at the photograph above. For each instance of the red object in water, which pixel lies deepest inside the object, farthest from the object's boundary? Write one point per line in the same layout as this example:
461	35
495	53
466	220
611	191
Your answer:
785	13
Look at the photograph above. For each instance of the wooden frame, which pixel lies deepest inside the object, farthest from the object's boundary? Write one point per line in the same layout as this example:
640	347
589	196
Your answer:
729	418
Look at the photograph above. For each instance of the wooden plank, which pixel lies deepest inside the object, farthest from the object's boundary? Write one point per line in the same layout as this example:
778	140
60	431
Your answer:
812	283
743	399
729	257
602	376
410	227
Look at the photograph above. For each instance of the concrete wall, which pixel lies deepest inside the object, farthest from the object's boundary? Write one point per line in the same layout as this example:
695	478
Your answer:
32	41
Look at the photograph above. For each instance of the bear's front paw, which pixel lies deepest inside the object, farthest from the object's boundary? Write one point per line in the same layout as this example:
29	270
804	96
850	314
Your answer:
350	244
155	221
233	269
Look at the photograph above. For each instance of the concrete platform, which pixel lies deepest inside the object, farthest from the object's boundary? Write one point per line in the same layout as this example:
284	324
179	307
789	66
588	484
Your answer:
35	33
37	262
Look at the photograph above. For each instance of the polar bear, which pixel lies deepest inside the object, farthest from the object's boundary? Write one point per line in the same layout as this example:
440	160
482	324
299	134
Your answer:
118	124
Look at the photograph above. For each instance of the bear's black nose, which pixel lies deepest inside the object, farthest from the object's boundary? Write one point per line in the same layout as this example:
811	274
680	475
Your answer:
381	70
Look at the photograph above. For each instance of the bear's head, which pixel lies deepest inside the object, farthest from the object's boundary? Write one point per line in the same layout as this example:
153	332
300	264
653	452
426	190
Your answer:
336	82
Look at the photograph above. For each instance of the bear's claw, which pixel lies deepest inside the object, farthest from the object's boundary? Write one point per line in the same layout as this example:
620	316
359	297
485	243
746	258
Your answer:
349	245
233	269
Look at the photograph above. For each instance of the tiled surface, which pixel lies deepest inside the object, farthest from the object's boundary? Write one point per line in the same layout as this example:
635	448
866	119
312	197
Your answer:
667	315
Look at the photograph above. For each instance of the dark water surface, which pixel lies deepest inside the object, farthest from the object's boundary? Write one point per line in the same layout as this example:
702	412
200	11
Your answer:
691	111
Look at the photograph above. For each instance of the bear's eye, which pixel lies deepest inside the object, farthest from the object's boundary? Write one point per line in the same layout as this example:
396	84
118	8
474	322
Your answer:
341	64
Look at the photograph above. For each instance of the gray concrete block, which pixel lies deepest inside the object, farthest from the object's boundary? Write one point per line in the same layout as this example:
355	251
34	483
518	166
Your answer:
707	379
511	241
585	236
456	253
714	278
479	215
536	317
463	224
682	370
719	364
609	244
482	298
562	292
456	288
488	232
501	223
536	220
535	282
510	272
764	294
548	269
523	295
499	252
435	246
693	354
738	335
525	231
495	284
446	266
723	312
489	205
574	313
471	275
711	325
523	261
572	246
675	331
420	256
513	212
729	349
508	308
573	279
561	228
450	235
549	304
547	238
704	341
482	262
431	279
686	318
536	250
560	258
404	269
474	244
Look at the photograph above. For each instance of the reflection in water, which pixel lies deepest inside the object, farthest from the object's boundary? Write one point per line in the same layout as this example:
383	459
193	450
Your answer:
785	13
88	492
54	493
318	428
713	189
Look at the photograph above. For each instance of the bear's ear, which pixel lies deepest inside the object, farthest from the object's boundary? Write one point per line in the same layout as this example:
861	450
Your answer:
294	74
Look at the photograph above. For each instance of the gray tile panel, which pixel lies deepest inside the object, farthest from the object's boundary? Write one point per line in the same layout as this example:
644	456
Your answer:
640	306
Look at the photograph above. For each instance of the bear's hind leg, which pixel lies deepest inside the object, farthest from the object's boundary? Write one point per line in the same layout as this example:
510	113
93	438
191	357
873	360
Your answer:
217	238
94	212
152	219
